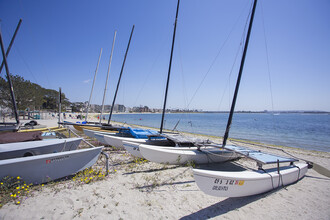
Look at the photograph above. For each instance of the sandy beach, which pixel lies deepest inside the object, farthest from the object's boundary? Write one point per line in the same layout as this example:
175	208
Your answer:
146	190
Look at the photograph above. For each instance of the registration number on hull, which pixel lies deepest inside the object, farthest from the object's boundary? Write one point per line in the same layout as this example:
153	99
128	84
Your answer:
223	185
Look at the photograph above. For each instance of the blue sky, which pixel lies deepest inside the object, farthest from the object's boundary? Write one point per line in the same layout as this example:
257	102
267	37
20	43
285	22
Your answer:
59	42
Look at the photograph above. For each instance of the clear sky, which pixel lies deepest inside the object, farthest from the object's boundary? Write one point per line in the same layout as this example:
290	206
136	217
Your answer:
59	42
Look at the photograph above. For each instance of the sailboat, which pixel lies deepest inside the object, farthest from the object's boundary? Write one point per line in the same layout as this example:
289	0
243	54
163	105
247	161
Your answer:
10	131
41	161
246	183
9	136
48	167
9	126
109	129
78	126
100	130
173	148
25	149
114	137
98	126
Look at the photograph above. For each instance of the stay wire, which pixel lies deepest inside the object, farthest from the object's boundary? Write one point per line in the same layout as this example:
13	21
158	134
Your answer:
16	48
185	95
216	57
268	70
46	73
149	72
231	71
267	57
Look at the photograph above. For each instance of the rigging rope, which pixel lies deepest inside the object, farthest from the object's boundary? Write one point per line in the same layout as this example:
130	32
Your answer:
216	57
231	71
150	71
268	70
36	52
21	56
267	58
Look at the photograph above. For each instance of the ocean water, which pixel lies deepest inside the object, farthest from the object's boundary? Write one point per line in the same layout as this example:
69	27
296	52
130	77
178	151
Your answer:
307	131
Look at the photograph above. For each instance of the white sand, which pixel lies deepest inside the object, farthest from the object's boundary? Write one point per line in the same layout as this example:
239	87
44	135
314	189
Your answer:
155	191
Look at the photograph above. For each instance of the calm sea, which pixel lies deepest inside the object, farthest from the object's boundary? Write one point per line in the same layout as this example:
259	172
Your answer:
307	131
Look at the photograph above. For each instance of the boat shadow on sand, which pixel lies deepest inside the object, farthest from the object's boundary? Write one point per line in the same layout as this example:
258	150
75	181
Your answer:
225	206
167	182
151	170
230	166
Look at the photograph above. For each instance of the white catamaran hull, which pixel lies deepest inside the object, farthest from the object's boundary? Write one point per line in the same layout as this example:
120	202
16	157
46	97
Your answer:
32	148
100	138
117	141
132	148
91	133
48	167
183	155
246	183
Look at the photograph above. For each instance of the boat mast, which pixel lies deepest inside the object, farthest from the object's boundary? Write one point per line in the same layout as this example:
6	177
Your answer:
239	77
169	68
11	43
106	81
59	106
90	97
121	73
8	76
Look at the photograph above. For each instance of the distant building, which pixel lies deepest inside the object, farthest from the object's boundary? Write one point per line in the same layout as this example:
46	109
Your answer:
107	108
68	109
94	108
119	108
145	109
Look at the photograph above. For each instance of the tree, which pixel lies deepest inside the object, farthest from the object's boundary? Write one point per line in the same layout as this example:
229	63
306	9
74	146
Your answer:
29	95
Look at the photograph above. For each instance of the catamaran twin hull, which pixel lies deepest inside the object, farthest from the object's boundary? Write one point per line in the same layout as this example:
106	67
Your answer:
48	167
32	148
247	183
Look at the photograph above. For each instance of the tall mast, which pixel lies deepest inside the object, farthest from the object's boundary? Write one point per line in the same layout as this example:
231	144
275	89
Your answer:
106	81
239	77
59	106
121	73
90	97
11	43
9	79
169	68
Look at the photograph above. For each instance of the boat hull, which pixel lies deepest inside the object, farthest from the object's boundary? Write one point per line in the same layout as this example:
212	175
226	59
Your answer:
184	155
48	167
117	141
100	138
13	137
91	132
78	128
132	148
246	183
32	148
